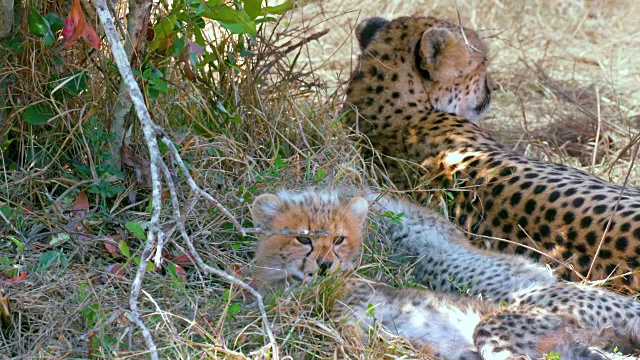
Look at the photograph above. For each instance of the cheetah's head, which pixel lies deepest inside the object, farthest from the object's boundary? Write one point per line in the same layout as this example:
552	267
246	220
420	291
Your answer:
413	63
281	258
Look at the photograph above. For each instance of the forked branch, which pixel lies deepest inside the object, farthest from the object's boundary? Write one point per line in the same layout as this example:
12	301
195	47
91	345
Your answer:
158	168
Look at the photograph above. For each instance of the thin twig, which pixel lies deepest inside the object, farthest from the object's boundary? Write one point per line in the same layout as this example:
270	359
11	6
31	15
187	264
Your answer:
310	38
551	83
464	36
106	323
55	157
122	61
595	145
194	187
211	270
285	232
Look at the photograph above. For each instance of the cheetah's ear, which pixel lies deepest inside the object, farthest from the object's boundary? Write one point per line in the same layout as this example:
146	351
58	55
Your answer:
442	54
367	29
358	208
445	55
264	209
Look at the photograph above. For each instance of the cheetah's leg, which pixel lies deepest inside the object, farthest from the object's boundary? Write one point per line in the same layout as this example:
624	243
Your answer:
614	317
532	333
438	324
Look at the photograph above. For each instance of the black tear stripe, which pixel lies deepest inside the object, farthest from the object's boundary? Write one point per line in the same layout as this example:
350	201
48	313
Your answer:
486	101
304	261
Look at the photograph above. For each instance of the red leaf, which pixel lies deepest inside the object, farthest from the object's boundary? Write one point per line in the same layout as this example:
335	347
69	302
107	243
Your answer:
116	269
185	259
180	272
75	26
235	270
112	249
18	278
81	203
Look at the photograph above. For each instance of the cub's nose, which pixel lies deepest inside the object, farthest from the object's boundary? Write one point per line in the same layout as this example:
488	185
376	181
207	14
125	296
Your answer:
323	266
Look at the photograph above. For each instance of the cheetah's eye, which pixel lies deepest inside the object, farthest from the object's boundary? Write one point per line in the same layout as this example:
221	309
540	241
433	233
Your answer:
338	240
304	240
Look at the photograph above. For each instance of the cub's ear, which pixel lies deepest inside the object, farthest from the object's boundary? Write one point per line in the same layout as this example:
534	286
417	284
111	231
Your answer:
443	55
367	29
264	209
358	208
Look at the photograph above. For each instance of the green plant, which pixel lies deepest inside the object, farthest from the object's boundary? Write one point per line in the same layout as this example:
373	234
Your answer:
98	139
553	356
395	218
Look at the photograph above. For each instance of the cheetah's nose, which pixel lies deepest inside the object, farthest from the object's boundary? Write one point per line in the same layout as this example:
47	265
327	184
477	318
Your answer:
323	266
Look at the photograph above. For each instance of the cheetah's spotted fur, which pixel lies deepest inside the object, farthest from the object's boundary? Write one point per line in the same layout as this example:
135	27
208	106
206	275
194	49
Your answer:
417	80
447	325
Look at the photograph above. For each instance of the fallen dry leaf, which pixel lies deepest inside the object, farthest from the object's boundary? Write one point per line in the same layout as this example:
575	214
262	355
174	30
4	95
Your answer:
180	272
18	278
82	203
185	259
117	269
112	249
80	206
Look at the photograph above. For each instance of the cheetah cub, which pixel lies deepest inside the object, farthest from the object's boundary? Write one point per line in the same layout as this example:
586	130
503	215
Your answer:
445	325
445	261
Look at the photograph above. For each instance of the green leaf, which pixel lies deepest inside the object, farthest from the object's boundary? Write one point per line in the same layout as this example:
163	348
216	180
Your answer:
19	244
70	85
233	309
238	22
177	47
38	25
279	9
252	8
47	259
16	43
55	22
124	248
136	230
38	114
237	29
236	119
174	273
7	211
59	239
161	86
150	266
164	29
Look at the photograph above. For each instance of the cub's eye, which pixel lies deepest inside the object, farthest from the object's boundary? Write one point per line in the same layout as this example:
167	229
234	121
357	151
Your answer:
338	240
304	240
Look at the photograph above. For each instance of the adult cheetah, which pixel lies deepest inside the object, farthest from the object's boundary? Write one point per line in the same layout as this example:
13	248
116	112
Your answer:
540	314
419	82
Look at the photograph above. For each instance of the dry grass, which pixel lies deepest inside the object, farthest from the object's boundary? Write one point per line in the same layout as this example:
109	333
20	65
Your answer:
557	64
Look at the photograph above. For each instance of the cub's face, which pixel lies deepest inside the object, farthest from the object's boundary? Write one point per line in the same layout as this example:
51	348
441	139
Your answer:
281	259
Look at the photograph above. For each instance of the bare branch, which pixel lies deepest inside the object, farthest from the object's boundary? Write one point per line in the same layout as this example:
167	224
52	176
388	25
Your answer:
106	323
214	271
151	133
285	232
194	187
122	61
